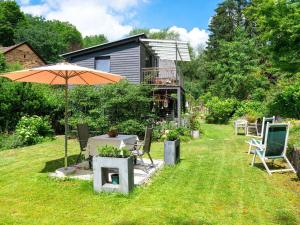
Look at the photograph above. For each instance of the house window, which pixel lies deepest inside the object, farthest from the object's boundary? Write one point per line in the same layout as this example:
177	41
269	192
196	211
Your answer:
102	63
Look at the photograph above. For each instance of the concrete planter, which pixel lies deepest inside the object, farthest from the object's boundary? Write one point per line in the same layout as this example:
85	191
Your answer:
104	167
172	152
195	134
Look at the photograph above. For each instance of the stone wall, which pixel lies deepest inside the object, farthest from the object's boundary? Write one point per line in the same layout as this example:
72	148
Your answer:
25	56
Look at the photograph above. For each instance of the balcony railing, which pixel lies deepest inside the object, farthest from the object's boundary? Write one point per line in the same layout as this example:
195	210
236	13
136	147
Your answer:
162	76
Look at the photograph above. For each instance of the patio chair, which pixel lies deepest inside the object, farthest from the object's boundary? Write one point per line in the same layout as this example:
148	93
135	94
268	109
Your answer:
240	124
274	146
254	142
83	136
252	126
143	147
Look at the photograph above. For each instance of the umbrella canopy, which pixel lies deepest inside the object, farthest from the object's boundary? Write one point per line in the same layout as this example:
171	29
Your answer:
64	74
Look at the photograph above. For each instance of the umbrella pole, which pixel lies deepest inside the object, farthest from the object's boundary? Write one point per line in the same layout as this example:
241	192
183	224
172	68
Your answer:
66	124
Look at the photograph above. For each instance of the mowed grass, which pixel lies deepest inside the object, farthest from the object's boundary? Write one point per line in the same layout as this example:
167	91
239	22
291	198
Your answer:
213	184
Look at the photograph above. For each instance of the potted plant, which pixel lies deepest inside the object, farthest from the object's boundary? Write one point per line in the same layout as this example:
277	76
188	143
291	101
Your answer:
195	126
113	170
172	148
112	132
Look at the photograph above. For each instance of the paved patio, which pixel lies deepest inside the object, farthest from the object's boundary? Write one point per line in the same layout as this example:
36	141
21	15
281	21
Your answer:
142	174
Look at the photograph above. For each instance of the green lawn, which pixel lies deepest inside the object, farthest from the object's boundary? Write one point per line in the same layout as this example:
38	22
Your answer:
213	184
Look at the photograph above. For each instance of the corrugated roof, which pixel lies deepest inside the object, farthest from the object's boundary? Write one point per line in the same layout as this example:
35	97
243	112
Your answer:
169	49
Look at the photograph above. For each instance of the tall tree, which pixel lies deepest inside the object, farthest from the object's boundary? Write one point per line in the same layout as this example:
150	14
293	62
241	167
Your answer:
164	34
229	16
92	40
277	25
49	37
10	16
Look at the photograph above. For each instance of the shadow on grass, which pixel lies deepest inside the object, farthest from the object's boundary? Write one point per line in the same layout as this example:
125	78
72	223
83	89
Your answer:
285	217
52	165
270	165
171	220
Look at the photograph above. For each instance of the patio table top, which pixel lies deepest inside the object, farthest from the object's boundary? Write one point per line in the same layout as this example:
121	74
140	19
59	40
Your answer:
120	141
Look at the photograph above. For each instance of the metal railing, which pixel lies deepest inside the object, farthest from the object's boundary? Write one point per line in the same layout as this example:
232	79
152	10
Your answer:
162	76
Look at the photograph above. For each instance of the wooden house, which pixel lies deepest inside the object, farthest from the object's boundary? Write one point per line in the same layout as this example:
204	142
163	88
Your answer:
142	61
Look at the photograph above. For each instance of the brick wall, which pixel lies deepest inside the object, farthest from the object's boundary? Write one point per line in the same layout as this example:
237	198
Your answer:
25	56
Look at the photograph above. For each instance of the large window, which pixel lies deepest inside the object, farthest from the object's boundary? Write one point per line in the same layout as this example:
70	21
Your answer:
102	63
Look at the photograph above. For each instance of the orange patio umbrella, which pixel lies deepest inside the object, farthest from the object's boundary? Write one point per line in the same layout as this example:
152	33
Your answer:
63	74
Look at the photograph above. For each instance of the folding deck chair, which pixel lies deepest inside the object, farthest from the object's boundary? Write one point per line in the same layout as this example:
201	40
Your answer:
256	142
274	146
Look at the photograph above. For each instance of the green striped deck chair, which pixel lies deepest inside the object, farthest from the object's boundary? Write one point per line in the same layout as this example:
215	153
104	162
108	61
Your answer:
257	142
274	146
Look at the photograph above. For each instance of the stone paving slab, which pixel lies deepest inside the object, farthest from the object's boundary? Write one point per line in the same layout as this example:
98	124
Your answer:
142	174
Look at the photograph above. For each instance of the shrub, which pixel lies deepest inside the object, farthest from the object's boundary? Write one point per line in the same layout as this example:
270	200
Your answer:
160	129
194	122
251	109
286	102
131	127
220	110
33	129
294	136
10	141
172	135
125	105
111	151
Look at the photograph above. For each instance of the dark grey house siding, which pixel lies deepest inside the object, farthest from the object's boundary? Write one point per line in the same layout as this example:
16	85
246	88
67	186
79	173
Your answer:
124	60
147	59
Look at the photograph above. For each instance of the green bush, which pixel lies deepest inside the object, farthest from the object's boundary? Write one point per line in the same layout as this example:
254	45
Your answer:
286	101
172	135
131	127
33	129
19	99
125	105
250	108
194	122
294	136
111	151
220	110
10	141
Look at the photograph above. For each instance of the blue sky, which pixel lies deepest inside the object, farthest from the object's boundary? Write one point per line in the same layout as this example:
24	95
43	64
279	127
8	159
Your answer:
115	18
182	13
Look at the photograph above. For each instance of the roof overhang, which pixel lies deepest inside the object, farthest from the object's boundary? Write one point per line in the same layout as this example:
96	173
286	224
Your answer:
168	49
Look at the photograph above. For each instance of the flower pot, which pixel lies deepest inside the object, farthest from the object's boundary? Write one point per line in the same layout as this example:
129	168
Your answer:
172	152
122	179
112	133
195	134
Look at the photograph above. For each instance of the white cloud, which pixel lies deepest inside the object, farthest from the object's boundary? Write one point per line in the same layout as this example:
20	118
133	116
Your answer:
195	37
108	17
89	16
154	30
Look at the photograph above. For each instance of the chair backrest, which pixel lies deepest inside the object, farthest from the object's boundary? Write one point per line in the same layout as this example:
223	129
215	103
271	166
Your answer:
276	139
264	126
148	139
83	135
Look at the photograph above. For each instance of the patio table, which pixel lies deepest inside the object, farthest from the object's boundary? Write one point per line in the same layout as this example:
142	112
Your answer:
120	141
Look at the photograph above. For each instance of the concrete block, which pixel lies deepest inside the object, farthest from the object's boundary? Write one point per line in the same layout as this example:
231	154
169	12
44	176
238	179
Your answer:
103	167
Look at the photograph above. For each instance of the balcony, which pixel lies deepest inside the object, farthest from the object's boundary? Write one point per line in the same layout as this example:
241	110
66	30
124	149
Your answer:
162	76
